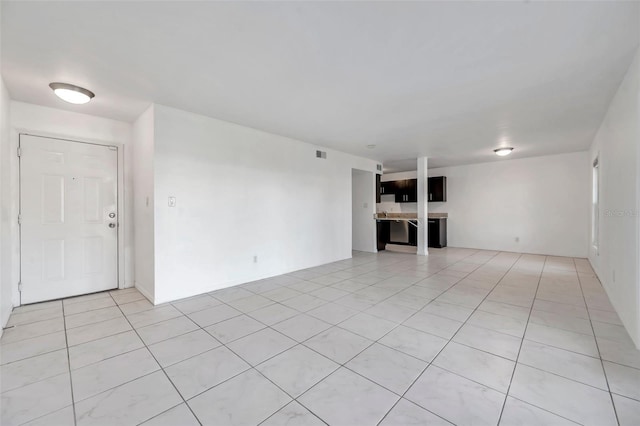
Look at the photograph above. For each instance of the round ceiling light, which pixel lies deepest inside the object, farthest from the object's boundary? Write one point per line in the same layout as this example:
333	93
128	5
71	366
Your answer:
72	94
503	151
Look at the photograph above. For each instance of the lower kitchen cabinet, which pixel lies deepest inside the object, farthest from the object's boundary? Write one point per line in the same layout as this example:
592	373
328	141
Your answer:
383	231
437	232
395	232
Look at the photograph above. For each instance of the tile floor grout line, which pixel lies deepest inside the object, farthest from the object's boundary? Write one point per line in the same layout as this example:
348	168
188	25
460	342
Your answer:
515	366
561	376
16	328
159	365
161	413
121	384
216	299
109	357
91	310
36	355
425	332
301	344
305	313
66	341
397	289
430	363
9	327
306	408
465	323
99	338
252	367
595	339
544	409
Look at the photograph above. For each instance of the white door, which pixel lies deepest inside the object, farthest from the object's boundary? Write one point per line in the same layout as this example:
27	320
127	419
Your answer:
69	223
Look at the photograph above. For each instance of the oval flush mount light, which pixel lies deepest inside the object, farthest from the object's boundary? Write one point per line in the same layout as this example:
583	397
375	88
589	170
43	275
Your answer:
371	146
72	94
503	151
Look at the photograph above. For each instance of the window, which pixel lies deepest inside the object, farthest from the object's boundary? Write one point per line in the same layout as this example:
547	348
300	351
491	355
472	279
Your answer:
595	201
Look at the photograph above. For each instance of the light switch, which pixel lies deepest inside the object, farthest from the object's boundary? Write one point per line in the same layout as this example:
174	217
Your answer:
172	201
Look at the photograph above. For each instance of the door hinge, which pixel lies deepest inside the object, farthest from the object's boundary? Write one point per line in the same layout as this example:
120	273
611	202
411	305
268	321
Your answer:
19	219
20	286
19	152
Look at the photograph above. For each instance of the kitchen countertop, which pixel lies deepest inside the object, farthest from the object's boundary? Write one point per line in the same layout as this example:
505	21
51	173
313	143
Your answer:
437	215
408	216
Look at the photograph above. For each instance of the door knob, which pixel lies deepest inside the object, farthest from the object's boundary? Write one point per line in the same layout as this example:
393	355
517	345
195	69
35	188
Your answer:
112	225
112	215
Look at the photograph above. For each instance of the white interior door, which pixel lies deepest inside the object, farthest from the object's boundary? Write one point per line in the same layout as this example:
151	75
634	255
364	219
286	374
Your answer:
69	222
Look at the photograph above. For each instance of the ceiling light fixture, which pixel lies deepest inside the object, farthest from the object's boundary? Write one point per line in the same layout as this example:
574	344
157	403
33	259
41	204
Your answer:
503	151
72	94
371	146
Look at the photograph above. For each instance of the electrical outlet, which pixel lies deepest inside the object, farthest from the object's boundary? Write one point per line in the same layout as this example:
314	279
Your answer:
255	259
365	205
172	201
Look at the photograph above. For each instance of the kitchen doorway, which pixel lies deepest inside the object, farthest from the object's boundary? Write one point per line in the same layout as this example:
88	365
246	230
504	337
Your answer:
363	225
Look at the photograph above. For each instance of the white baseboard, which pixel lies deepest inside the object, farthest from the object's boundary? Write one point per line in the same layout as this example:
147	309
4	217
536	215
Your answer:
144	292
5	318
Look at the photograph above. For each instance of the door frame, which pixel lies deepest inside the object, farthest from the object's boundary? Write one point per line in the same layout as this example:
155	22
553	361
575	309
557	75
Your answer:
120	200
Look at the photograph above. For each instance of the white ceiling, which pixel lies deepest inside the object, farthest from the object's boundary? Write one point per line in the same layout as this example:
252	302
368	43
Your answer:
447	80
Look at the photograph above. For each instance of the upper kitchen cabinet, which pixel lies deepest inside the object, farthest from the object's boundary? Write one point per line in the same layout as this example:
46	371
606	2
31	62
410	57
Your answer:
387	188
437	189
406	191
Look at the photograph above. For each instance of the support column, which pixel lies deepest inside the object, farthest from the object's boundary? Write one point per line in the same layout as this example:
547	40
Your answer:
423	198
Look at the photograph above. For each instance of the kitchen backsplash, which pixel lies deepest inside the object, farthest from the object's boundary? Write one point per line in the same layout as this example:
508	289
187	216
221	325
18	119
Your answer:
388	204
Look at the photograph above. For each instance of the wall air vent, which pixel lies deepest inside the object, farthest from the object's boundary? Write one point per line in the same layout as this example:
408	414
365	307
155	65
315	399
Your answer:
379	167
321	154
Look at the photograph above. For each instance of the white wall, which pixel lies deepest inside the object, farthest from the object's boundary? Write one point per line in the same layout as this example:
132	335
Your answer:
44	121
543	201
363	227
617	144
143	206
6	303
242	193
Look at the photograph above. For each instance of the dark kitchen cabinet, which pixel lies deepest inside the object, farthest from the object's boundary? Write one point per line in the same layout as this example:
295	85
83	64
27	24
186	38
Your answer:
413	235
378	188
437	232
387	188
383	233
399	190
406	191
412	191
437	189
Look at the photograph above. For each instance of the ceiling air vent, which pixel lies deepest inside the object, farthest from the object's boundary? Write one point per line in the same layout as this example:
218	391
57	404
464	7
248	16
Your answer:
321	154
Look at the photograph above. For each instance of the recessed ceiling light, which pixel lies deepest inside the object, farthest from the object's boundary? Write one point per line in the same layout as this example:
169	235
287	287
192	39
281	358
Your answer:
72	94
503	151
371	146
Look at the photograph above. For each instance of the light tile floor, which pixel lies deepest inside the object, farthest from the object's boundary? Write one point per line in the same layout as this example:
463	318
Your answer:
462	337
